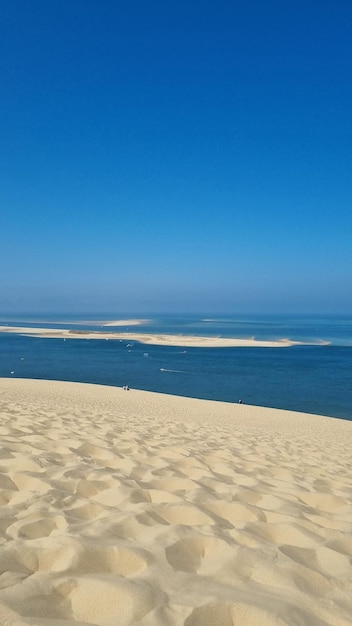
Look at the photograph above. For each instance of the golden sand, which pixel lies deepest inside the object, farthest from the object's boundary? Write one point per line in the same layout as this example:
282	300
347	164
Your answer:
133	508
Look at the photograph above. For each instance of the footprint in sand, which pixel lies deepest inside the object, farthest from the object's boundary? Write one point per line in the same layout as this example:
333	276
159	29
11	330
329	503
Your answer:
93	559
195	553
108	600
187	515
251	613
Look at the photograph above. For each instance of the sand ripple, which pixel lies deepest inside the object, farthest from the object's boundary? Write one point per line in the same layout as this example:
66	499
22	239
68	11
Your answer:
133	508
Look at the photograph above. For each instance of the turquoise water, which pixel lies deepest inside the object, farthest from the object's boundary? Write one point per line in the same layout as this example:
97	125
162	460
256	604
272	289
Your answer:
312	378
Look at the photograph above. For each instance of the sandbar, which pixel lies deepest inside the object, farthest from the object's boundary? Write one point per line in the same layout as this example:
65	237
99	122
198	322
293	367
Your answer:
153	339
131	507
131	322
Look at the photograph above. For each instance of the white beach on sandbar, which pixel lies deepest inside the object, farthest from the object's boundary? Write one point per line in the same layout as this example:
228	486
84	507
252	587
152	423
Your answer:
125	322
135	508
189	341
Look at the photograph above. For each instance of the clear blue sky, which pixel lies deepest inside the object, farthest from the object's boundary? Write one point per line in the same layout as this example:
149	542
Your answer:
176	156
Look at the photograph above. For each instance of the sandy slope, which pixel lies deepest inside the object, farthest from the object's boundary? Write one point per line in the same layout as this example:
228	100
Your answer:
127	507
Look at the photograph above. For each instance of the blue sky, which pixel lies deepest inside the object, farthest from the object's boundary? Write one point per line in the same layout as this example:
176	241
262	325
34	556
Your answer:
184	156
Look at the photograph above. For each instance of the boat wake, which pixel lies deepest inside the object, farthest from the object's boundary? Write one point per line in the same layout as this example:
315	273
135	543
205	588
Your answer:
163	369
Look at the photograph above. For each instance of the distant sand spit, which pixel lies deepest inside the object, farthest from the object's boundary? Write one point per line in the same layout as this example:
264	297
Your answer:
131	322
136	508
156	339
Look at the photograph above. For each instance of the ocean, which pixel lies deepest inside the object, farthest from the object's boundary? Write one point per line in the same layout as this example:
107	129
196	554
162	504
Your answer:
314	378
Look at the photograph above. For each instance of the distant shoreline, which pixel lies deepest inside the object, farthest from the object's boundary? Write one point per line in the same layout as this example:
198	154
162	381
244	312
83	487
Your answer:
154	338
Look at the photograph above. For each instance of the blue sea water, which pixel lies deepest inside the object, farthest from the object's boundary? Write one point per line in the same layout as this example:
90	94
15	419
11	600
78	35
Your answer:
314	378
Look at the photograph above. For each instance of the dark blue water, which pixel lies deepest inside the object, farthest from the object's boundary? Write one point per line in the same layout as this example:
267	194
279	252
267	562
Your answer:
309	378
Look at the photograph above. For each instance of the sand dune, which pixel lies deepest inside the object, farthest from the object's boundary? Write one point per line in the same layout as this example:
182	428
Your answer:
127	507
